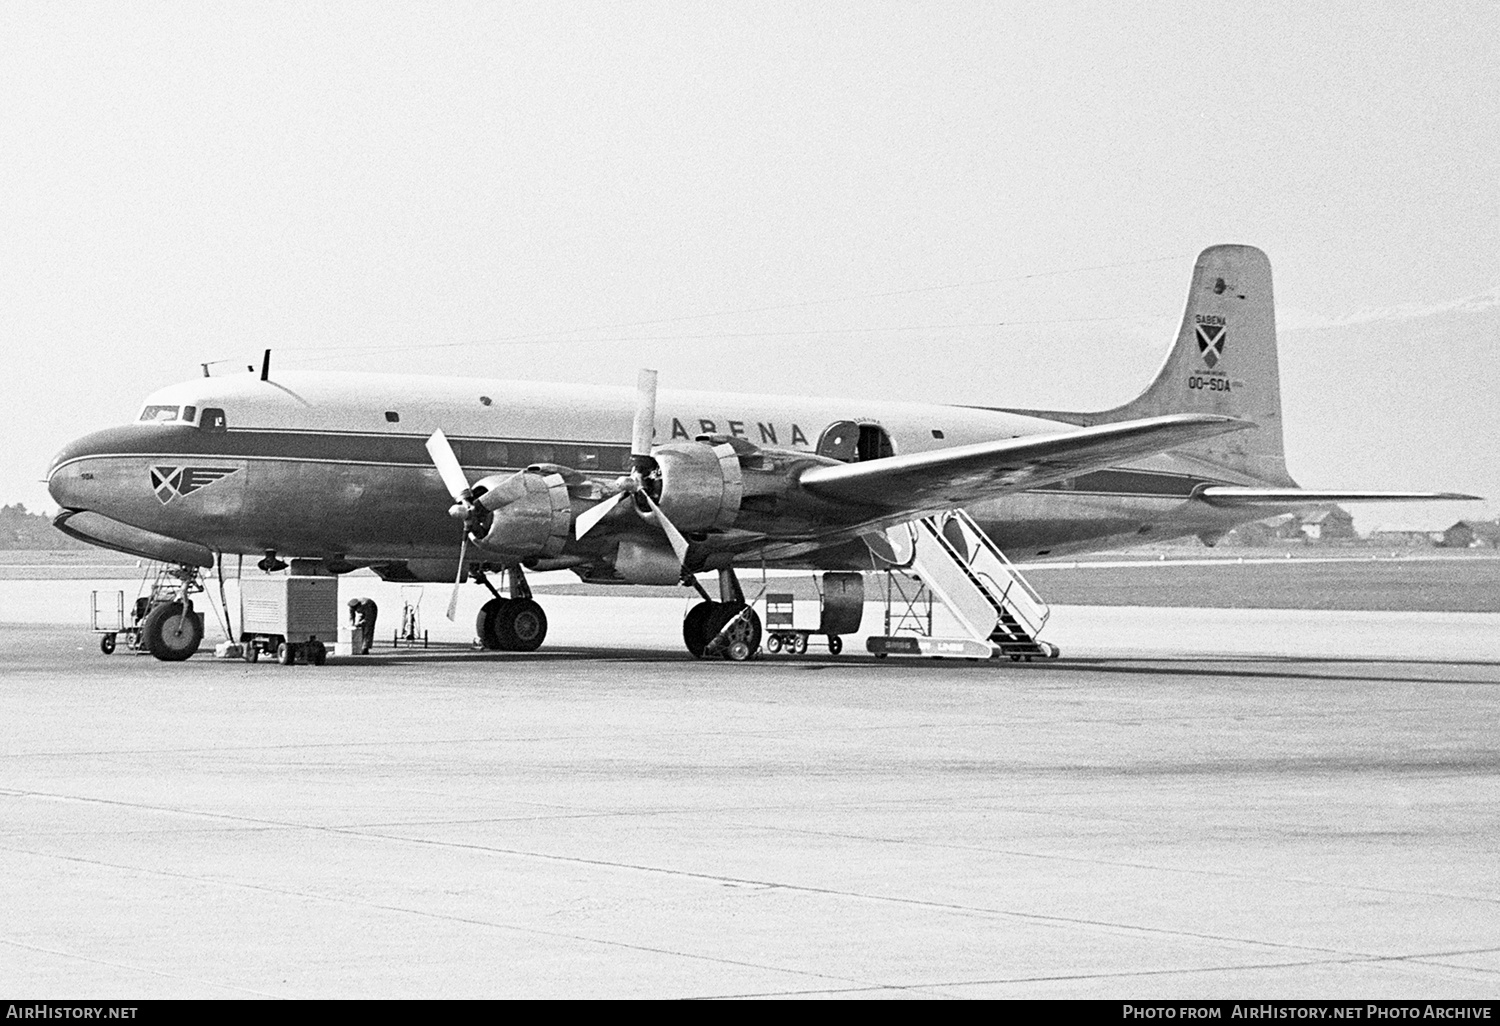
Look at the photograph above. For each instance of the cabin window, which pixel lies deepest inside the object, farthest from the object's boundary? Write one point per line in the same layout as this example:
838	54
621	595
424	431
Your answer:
213	420
159	414
189	413
937	433
392	417
490	454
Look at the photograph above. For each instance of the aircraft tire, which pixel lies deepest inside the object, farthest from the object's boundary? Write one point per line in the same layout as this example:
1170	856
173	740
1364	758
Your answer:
521	626
694	627
485	622
746	631
170	633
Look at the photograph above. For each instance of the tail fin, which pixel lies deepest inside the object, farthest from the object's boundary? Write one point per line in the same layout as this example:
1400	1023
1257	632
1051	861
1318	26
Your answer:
1224	362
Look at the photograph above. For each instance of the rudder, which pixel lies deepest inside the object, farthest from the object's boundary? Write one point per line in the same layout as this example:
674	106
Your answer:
1224	362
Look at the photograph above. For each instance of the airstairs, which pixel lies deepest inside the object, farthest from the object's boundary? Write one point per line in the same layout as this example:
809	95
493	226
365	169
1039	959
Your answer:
999	612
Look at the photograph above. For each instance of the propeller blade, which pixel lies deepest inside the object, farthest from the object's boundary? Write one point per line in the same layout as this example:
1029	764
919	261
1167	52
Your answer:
463	556
643	431
586	521
679	543
448	468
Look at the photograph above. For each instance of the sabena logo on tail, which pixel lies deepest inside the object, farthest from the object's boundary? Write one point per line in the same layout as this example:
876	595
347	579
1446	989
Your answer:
1212	335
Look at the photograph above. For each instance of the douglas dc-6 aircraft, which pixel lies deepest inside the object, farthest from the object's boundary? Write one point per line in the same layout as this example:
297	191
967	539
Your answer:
444	478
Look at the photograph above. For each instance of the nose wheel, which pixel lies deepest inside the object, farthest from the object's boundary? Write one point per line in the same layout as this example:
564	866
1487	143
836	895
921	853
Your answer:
172	632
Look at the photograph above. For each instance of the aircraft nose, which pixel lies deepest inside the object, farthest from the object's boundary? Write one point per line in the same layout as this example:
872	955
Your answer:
64	479
70	477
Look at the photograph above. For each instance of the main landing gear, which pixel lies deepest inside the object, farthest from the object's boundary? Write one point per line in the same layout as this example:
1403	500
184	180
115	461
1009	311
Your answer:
728	628
515	624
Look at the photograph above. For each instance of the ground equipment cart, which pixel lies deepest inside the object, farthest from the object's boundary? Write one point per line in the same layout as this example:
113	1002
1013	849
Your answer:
289	619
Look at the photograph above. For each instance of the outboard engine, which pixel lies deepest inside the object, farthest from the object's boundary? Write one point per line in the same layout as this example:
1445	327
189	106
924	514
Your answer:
528	514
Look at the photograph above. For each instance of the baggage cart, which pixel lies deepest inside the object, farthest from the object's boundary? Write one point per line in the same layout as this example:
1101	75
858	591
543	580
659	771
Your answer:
841	599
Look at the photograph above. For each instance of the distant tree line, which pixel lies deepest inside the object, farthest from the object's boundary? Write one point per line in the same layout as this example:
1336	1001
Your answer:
20	529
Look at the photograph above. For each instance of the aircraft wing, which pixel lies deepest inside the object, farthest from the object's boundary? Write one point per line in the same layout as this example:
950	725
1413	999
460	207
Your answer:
1230	495
966	473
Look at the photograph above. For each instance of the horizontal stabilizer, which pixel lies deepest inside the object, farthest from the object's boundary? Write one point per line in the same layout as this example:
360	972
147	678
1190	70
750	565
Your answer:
1228	495
941	478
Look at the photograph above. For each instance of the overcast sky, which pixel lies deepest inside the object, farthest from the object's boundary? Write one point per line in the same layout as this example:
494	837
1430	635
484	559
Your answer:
183	182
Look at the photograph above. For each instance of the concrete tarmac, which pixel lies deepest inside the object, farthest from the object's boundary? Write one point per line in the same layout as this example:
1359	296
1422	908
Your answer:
1156	816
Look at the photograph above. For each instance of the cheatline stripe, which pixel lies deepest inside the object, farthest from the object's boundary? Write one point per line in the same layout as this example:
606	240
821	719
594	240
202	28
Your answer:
410	451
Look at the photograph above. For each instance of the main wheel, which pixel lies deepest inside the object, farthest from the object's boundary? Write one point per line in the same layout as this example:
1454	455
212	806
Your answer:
745	630
171	633
694	625
521	626
106	643
484	623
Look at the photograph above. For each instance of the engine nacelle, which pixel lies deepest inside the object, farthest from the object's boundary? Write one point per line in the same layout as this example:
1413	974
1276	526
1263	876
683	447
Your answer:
701	485
529	514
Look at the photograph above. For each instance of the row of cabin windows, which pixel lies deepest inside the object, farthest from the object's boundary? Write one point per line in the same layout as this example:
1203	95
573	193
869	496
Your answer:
212	419
842	440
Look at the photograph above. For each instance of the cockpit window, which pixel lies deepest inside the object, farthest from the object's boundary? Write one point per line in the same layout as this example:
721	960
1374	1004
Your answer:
213	420
159	414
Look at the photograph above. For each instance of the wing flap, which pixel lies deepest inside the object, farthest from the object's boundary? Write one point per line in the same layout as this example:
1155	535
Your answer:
968	473
1230	495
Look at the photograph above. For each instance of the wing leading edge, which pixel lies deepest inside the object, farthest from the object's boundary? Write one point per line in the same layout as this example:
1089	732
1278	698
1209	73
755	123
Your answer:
968	473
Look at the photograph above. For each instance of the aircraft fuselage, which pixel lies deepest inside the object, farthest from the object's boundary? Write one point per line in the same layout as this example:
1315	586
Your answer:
333	466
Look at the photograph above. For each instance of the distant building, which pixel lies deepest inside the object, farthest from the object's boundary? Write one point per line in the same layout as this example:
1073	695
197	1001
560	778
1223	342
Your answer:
1286	527
1405	537
1331	524
1469	534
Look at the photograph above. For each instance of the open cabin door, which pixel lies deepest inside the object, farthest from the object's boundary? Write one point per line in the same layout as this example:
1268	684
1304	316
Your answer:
851	442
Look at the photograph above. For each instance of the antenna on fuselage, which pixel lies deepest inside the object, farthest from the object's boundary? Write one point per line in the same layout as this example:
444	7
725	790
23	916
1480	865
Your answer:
265	367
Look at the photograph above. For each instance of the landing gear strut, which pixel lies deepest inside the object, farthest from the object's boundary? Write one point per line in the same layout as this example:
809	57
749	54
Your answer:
727	628
515	624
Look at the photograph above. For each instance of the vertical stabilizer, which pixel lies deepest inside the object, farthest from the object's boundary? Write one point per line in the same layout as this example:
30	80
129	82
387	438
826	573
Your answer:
1224	361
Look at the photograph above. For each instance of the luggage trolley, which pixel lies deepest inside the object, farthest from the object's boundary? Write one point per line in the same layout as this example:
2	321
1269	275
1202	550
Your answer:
841	598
